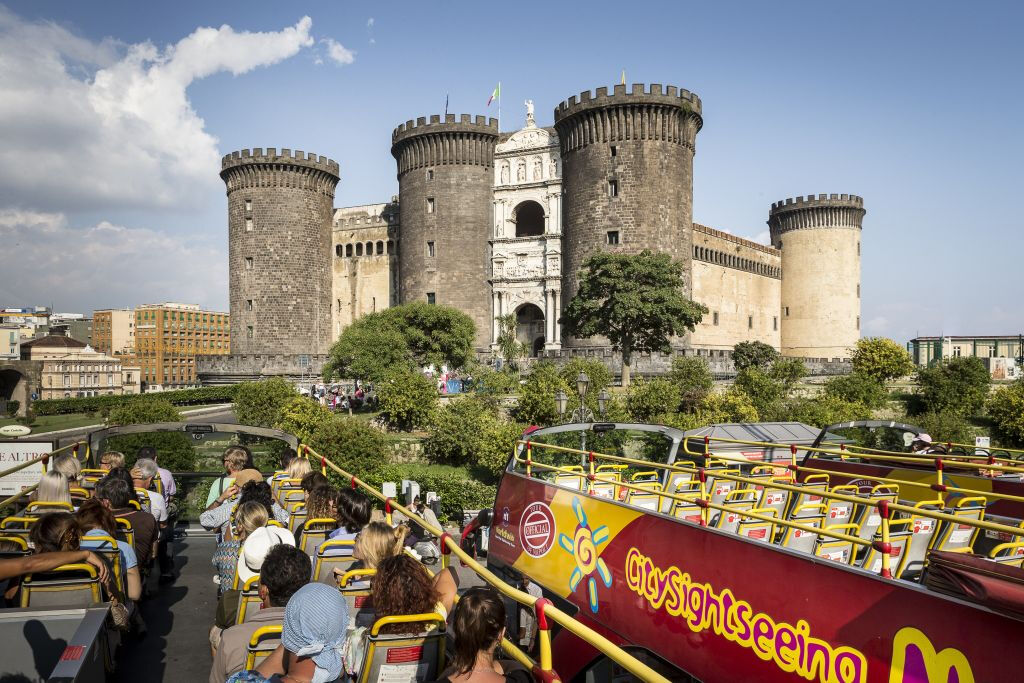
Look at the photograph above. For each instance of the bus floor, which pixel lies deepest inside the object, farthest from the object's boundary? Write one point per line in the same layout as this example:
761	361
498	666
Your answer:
178	617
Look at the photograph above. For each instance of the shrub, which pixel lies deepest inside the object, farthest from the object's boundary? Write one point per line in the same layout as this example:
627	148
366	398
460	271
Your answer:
456	431
732	406
648	399
489	382
407	400
787	372
1006	408
945	426
881	358
259	404
858	387
821	411
95	404
957	385
763	391
537	398
174	450
301	416
497	445
351	444
753	354
457	493
692	378
12	407
600	376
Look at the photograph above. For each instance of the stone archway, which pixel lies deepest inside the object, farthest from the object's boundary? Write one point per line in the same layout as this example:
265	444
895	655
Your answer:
529	219
13	387
530	327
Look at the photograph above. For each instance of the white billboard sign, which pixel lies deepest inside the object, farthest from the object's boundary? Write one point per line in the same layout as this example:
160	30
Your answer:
13	453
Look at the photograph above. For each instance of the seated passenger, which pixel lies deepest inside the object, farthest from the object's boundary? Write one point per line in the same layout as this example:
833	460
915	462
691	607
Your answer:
298	468
401	587
166	478
249	516
312	640
55	542
322	503
95	519
374	544
235	459
143	473
116	491
285	570
287	457
478	626
354	512
111	460
53	488
68	465
167	531
218	515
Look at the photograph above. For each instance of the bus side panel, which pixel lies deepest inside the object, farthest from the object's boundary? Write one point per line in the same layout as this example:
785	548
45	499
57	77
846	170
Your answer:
724	608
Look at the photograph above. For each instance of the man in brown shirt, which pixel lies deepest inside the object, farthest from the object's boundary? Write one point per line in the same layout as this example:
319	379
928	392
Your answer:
285	570
116	491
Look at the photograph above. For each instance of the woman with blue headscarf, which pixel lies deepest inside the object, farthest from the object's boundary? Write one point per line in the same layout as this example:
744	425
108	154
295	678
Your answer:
312	640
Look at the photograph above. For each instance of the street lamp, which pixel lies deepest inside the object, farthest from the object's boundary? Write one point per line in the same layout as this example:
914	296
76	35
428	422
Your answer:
582	382
581	413
561	400
602	401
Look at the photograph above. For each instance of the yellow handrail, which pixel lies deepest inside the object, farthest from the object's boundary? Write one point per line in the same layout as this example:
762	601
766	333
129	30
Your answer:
39	458
545	610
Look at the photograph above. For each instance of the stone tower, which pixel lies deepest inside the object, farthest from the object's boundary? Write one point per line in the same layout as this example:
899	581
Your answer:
445	177
279	243
820	243
627	175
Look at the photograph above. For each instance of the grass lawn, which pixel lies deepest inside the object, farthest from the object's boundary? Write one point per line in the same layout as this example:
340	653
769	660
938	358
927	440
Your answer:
53	423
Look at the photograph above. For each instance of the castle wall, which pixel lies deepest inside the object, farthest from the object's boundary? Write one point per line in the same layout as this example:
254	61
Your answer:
740	283
279	243
445	174
364	262
627	175
820	243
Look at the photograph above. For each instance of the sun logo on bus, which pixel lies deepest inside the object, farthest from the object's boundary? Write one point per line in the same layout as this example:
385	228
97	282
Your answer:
584	549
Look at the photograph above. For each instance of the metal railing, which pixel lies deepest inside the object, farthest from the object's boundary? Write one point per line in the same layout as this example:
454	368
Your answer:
544	610
44	459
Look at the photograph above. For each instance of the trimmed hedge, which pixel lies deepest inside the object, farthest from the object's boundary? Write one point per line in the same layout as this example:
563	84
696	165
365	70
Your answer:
95	404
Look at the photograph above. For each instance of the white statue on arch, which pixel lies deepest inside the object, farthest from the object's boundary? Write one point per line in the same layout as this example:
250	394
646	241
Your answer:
530	121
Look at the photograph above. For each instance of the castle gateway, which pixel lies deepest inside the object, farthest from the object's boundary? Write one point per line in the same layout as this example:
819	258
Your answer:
499	224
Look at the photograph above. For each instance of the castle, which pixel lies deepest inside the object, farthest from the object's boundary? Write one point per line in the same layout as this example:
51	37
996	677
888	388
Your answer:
500	223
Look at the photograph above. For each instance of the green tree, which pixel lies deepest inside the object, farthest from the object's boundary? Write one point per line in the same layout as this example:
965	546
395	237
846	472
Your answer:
467	432
753	354
259	404
634	300
407	399
732	406
301	416
537	399
692	377
787	372
649	399
764	392
509	346
368	350
881	358
598	373
957	385
945	426
858	387
174	450
822	410
439	335
350	443
1006	408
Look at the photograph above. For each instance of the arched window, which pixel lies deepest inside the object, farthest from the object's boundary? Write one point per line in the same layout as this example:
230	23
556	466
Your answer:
529	219
348	250
391	246
337	250
369	248
380	248
359	248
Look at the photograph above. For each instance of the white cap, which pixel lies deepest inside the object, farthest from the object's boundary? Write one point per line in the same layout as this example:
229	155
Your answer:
923	437
256	547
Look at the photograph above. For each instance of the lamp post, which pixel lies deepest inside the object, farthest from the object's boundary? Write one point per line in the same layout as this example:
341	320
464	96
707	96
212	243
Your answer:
581	413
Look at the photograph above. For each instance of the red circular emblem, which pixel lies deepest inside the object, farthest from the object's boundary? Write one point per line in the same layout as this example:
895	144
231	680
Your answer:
537	529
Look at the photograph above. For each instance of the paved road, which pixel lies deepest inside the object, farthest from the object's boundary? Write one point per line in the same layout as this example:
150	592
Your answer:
66	436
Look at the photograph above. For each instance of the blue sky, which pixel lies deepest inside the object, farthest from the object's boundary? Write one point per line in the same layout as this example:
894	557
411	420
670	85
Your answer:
117	113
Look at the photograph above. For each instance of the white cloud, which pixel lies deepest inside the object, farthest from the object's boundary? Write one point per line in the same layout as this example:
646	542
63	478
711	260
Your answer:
370	22
338	52
103	265
763	237
106	125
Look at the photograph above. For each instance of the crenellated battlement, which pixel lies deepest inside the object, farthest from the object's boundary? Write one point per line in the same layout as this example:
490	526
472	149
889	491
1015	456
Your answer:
813	201
458	123
286	156
637	94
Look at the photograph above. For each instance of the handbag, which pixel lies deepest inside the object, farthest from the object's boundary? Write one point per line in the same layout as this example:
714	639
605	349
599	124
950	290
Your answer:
120	614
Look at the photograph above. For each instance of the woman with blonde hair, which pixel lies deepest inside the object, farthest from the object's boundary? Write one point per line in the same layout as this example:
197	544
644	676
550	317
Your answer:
298	468
68	465
53	488
247	518
111	460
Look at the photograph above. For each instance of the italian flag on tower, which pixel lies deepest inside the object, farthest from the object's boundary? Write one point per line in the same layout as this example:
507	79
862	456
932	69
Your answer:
496	95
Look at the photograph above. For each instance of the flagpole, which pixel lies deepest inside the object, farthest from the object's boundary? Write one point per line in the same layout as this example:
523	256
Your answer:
499	107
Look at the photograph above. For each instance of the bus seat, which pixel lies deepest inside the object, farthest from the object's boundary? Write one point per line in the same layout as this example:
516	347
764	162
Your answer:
899	539
263	641
78	494
678	482
331	555
17	526
113	556
687	510
20	543
735	499
647	498
296	518
72	585
290	494
729	520
143	496
951	535
274	522
837	549
124	528
572	481
719	488
757	529
395	658
644	476
157	485
249	601
313	532
922	530
810	509
774	498
41	507
803	540
842	511
1008	553
869	518
811	490
354	586
610	473
135	504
